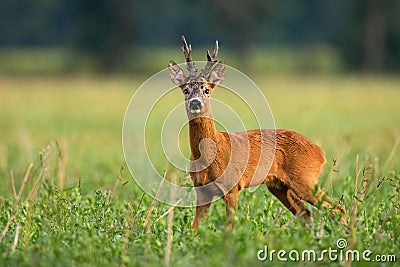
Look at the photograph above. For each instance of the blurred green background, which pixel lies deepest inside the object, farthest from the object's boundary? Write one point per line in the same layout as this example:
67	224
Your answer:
73	36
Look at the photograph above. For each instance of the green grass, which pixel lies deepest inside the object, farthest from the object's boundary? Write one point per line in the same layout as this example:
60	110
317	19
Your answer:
71	126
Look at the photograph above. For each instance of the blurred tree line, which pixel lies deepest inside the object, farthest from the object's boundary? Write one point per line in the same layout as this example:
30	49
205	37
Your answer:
366	33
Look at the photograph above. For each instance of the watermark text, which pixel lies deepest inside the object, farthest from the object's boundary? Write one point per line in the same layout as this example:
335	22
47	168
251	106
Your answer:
339	253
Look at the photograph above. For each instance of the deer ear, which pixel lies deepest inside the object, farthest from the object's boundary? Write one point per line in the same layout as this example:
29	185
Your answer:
176	73
217	74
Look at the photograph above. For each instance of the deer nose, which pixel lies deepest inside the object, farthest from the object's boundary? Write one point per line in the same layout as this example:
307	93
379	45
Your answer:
195	104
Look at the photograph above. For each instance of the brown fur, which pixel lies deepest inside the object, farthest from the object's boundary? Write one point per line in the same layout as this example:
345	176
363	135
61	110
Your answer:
292	178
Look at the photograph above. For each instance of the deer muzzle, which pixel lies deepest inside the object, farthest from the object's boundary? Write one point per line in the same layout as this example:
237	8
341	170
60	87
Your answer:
195	105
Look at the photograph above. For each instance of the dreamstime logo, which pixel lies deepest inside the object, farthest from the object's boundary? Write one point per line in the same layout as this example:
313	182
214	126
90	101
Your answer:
155	132
340	253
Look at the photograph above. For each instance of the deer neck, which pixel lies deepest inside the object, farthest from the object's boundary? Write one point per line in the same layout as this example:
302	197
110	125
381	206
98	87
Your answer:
201	128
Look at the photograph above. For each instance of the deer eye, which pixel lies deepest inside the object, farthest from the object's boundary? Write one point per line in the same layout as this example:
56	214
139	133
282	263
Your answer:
186	91
207	91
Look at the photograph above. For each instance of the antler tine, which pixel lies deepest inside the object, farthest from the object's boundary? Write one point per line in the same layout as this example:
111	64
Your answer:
187	50
213	57
211	60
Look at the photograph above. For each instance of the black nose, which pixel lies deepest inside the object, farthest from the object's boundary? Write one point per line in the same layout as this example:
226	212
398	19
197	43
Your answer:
195	104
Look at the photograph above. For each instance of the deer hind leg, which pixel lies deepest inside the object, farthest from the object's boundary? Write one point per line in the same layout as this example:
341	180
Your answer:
326	201
290	200
321	199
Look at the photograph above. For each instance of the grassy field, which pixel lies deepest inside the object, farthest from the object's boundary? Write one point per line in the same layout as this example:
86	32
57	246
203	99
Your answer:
80	207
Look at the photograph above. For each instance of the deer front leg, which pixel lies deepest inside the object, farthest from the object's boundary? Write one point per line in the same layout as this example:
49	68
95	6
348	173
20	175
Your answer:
203	202
201	212
231	203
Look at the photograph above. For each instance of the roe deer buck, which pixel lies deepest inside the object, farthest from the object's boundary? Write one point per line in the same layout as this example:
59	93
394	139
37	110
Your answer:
223	163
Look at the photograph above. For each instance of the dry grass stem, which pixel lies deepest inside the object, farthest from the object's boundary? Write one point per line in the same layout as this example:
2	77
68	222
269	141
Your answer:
21	189
376	168
137	209
62	162
170	233
353	213
128	221
378	234
114	190
339	158
18	197
146	224
392	153
30	200
170	209
320	233
281	211
16	237
13	184
154	201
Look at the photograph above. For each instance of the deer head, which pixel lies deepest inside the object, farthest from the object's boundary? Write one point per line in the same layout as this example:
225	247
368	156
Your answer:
197	88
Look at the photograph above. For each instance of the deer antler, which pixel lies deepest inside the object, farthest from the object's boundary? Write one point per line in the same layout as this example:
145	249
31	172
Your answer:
187	50
211	60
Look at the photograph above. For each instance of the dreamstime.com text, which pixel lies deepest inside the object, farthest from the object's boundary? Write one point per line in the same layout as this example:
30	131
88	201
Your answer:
340	253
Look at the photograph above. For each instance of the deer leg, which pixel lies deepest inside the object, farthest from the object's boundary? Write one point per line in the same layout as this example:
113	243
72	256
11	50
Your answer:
326	201
290	200
321	199
201	212
203	200
231	203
